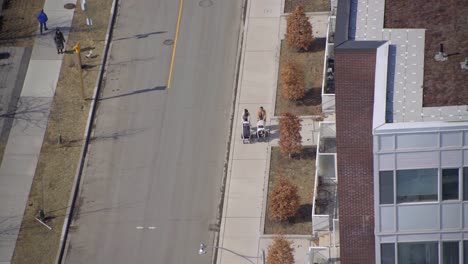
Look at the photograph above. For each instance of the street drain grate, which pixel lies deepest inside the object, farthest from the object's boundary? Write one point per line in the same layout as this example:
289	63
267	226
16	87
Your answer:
69	6
168	42
205	3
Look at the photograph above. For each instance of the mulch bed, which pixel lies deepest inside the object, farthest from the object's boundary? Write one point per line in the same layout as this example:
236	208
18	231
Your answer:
309	5
311	63
301	171
445	22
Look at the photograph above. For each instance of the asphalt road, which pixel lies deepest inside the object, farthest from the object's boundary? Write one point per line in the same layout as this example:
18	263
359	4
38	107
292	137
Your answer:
151	186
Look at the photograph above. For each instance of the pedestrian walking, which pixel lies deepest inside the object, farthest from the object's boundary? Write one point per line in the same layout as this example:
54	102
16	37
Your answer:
59	41
42	18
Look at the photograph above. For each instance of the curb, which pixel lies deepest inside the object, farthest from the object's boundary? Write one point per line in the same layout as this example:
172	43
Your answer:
309	14
63	248
227	175
227	166
277	70
265	192
307	237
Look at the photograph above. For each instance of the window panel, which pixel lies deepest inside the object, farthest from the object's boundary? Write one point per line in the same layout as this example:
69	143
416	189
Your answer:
449	184
450	252
386	187
416	185
418	253
465	252
465	184
387	253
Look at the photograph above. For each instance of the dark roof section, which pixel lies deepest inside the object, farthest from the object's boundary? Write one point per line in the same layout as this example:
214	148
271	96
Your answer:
342	21
358	46
354	82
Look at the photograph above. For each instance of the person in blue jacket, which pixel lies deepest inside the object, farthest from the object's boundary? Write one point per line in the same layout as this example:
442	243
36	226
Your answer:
42	18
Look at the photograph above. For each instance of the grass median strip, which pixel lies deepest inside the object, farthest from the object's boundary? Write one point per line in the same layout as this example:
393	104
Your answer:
53	181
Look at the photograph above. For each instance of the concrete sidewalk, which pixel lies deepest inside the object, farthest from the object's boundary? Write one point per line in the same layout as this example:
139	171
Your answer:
29	125
247	177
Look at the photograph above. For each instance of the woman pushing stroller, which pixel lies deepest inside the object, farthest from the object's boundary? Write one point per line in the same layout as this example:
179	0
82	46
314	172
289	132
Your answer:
260	131
261	120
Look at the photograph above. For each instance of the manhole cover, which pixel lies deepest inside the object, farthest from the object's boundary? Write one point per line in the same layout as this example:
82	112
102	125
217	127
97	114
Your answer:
168	42
205	3
69	6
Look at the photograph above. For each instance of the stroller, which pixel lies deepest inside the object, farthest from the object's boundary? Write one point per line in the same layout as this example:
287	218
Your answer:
261	133
246	132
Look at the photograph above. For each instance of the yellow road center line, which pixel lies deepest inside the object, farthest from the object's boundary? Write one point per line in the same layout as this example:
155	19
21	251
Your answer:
169	79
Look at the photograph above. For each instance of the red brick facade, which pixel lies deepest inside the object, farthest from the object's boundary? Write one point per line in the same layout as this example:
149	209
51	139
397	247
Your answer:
354	82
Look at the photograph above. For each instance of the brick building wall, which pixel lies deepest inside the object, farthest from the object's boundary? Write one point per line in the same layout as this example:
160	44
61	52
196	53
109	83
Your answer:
354	82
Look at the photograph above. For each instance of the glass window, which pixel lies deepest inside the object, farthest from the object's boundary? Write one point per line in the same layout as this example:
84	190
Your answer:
418	253
465	184
465	252
386	187
416	185
450	252
387	253
449	184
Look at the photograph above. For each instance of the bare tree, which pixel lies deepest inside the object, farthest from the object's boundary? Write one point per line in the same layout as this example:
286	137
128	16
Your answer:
31	112
299	30
292	81
280	251
284	199
289	134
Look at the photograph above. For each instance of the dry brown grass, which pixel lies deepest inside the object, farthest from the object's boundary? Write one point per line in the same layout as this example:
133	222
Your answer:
445	22
309	5
311	63
53	180
20	23
300	170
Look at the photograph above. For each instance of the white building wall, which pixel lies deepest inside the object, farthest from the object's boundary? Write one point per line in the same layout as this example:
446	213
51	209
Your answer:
415	148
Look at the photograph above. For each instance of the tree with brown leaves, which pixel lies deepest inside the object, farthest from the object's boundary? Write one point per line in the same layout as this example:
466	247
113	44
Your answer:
299	30
292	81
290	134
284	199
280	251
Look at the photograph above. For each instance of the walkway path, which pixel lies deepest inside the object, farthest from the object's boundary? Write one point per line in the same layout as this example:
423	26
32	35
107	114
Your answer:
247	179
27	132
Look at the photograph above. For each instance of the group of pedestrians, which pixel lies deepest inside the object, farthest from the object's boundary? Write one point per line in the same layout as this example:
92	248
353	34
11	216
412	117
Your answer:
59	39
261	115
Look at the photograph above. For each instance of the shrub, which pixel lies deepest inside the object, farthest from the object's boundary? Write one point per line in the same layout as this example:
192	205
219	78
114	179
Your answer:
289	134
284	200
299	30
280	251
292	81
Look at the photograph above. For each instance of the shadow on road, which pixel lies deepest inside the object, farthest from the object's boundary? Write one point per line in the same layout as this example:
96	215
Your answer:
157	88
116	135
140	36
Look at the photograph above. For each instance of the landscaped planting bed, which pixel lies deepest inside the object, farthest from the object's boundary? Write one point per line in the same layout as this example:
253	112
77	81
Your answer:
311	63
300	170
309	5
